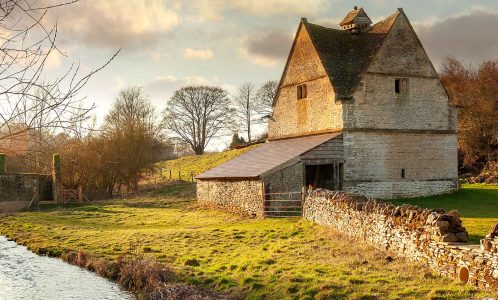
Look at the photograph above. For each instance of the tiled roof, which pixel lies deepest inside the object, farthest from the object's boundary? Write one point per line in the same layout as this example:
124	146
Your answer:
264	158
345	55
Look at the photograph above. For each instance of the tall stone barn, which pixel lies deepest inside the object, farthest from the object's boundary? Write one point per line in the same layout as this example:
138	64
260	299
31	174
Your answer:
359	109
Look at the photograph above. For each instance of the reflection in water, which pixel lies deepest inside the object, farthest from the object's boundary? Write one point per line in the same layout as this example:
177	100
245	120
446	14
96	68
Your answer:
25	275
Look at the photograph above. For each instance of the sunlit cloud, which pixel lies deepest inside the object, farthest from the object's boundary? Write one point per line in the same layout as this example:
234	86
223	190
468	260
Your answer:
190	53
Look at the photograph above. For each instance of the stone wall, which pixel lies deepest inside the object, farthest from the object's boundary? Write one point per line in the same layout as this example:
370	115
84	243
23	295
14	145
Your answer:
289	179
243	196
377	106
17	191
431	236
374	164
316	113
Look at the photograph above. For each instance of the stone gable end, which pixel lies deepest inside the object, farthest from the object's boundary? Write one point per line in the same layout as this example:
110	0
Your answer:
318	112
402	53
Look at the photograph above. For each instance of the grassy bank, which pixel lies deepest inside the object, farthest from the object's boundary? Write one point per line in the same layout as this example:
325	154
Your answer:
477	204
197	164
260	259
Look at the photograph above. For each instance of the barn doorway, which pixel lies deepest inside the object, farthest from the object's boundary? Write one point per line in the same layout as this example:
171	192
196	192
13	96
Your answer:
325	176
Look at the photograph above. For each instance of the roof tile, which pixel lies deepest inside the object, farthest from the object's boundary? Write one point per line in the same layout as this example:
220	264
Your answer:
272	154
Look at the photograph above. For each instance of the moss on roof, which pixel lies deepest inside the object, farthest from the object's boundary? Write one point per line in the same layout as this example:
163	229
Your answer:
345	55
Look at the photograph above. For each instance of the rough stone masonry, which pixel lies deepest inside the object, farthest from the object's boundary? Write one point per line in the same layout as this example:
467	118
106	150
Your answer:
431	236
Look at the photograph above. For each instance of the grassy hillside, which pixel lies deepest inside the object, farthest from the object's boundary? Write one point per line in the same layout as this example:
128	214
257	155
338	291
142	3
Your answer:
477	204
256	258
197	164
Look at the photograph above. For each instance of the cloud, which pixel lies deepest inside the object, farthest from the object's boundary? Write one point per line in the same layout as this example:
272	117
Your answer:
213	10
190	53
116	23
469	37
163	87
268	49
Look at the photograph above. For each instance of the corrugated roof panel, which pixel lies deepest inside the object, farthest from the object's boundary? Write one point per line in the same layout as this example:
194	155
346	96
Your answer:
266	157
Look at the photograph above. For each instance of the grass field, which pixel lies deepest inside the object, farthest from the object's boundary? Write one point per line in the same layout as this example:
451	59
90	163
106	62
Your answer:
263	259
197	164
477	204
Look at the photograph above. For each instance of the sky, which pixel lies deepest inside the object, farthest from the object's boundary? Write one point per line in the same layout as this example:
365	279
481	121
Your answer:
169	44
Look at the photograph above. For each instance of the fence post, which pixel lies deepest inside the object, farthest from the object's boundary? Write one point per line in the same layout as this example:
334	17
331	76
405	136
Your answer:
179	175
169	174
161	175
80	194
57	179
192	176
3	165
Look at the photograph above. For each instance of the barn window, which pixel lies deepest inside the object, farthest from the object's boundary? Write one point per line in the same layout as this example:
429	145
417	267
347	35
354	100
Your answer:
302	91
402	173
401	86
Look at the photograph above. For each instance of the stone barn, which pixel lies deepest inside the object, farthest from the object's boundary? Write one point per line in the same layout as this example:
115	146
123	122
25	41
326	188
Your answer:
359	109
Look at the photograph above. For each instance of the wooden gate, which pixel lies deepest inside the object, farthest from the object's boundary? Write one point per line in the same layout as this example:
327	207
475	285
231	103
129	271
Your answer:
282	205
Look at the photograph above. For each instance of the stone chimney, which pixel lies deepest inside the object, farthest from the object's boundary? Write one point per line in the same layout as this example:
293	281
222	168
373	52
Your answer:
356	20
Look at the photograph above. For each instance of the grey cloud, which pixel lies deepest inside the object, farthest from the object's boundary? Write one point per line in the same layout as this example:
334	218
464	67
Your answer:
471	38
273	45
132	24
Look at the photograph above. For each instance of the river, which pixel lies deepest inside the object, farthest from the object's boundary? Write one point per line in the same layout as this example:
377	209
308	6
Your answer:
25	275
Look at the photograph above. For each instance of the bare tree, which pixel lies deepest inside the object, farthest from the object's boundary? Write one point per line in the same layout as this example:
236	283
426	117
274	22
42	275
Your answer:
264	98
197	114
133	130
245	102
26	102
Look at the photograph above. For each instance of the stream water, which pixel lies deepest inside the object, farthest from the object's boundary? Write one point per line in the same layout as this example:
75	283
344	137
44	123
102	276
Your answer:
25	275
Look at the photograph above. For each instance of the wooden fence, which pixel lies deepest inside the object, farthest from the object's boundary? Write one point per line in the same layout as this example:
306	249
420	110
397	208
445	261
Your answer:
176	174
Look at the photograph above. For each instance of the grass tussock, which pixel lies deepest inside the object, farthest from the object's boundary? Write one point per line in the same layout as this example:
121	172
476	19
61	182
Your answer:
144	276
163	247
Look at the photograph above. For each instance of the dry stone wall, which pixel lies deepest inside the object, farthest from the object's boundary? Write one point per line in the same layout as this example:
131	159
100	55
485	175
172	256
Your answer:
17	191
431	236
243	196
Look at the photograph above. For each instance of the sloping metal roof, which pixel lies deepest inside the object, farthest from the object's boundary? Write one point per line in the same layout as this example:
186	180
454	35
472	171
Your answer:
270	155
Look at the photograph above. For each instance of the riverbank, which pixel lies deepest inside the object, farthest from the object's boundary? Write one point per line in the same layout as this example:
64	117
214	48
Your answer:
25	275
165	237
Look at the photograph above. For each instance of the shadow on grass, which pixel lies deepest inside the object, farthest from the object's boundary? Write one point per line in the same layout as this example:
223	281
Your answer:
178	194
472	201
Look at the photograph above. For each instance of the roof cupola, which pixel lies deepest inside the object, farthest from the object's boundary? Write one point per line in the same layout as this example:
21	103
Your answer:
356	20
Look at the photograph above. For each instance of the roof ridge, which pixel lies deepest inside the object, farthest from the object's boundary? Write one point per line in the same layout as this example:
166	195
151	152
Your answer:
342	57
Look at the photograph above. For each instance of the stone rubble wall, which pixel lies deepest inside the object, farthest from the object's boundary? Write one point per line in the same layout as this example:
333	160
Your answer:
241	196
18	187
289	179
431	236
17	191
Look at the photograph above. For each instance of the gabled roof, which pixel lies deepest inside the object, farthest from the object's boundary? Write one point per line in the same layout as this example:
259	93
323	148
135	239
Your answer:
346	55
352	15
267	157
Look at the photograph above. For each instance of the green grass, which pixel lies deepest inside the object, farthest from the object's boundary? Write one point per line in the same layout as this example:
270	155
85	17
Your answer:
263	258
477	204
197	164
